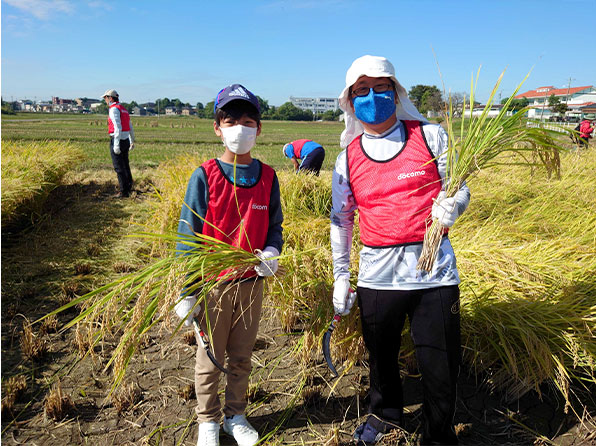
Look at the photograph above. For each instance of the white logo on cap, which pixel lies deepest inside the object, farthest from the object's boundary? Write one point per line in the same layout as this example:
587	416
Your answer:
239	92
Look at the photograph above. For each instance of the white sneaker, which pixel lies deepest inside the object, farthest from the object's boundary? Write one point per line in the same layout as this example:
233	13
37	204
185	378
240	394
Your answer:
239	427
208	434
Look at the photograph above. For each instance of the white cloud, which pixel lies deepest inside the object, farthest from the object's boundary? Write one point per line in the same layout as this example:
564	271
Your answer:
42	9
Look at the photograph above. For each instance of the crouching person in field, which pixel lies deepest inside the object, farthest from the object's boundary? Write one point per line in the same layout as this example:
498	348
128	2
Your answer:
241	208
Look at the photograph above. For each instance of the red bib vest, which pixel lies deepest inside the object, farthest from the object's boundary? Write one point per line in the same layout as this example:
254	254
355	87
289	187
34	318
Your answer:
244	225
394	197
298	144
124	118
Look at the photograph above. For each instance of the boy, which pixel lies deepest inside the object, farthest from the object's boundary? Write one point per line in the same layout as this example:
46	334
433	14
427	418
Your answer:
234	306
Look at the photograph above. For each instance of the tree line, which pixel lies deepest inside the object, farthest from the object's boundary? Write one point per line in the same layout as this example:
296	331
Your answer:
426	98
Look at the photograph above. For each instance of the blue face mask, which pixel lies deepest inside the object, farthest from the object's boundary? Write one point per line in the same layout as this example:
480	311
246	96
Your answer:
375	108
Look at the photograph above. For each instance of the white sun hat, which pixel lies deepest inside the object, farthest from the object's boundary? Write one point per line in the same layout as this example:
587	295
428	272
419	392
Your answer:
112	93
372	66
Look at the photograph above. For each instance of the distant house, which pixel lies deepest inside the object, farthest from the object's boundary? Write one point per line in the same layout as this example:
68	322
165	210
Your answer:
172	111
24	105
45	107
86	102
187	111
138	111
575	98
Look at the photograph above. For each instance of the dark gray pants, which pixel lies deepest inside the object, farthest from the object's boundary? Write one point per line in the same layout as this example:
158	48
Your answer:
121	166
313	161
435	329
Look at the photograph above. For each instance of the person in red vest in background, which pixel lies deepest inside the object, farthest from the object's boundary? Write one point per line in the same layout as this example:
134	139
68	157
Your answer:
121	141
585	132
309	152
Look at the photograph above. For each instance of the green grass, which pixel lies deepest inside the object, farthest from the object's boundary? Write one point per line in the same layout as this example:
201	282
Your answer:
174	136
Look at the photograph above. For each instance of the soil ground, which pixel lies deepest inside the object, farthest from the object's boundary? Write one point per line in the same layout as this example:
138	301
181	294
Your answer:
83	222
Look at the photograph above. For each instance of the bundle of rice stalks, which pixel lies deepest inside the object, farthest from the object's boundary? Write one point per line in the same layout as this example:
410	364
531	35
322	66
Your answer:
130	306
30	171
482	143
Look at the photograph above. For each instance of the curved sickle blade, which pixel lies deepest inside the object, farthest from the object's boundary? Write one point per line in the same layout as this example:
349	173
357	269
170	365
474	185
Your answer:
205	344
326	340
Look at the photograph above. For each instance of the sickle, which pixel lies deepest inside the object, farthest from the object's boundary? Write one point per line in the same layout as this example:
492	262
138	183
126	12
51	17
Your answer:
326	339
205	344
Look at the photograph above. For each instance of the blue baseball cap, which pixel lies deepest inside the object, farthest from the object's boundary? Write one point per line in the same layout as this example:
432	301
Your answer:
232	93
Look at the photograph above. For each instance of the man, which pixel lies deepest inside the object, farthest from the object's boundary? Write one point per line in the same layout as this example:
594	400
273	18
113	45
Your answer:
393	170
309	152
121	141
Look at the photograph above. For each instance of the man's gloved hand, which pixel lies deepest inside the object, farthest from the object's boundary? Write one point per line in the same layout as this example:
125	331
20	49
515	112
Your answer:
267	267
184	309
132	146
117	149
343	296
445	210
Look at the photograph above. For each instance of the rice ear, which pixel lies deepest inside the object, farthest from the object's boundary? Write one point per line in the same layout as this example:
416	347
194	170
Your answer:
483	143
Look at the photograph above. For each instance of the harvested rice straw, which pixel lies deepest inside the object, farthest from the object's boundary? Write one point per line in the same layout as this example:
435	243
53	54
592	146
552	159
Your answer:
478	146
136	302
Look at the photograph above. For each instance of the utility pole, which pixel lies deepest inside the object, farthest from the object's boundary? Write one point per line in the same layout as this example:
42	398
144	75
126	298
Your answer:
567	96
568	88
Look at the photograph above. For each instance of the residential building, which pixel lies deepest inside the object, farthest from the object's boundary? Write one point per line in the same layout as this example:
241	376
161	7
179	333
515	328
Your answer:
172	110
187	111
86	102
575	97
316	105
138	111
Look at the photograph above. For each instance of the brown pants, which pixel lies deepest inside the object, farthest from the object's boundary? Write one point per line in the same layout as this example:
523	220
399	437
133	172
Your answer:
234	314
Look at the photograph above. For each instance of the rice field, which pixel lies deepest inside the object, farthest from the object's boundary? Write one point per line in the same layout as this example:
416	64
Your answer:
526	250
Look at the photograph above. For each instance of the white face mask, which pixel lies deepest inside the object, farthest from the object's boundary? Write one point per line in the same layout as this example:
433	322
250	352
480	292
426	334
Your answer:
239	138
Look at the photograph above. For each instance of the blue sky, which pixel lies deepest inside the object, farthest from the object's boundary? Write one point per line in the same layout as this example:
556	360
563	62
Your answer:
280	48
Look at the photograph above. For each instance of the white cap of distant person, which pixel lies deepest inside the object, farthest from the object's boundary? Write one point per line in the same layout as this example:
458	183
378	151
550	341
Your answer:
111	93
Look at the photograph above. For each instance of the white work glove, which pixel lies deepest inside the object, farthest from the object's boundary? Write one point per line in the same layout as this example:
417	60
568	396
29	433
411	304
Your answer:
132	146
445	210
184	309
117	149
343	296
267	267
